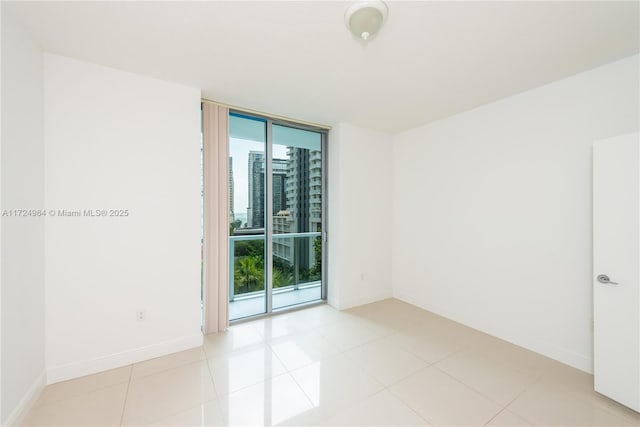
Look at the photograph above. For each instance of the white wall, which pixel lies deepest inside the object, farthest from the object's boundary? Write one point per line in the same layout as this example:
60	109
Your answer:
492	210
116	140
23	292
359	236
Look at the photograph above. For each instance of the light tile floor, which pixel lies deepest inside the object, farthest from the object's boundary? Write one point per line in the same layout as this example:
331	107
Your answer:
386	363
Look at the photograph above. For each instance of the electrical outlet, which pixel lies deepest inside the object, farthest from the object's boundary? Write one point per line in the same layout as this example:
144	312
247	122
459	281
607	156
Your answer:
141	315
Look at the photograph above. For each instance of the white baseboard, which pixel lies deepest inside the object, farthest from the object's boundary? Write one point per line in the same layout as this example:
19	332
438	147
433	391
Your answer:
544	348
16	416
92	366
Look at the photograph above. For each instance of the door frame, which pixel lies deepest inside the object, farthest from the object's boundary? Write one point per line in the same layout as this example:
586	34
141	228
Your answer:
268	250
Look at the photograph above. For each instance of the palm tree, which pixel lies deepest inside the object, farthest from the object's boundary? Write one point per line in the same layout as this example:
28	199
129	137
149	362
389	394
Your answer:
282	278
248	272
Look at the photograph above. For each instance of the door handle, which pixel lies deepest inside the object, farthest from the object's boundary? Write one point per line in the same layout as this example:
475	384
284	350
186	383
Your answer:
603	278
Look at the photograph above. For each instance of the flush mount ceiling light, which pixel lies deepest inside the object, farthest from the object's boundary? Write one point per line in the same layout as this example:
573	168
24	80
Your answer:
364	18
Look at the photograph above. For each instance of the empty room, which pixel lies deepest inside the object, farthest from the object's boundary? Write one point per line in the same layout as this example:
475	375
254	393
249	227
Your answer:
320	213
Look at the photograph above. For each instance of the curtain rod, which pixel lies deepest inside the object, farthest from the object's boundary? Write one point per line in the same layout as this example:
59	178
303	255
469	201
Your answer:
259	113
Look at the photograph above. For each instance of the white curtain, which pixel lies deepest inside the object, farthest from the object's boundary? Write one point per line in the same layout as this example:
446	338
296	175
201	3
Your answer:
215	120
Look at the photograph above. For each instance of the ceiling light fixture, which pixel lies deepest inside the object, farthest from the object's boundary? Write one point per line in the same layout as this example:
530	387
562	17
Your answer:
365	17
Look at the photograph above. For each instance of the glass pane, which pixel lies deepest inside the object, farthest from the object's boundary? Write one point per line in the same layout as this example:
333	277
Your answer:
297	216
247	290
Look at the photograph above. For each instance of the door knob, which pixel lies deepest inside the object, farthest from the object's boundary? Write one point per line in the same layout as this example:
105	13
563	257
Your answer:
603	278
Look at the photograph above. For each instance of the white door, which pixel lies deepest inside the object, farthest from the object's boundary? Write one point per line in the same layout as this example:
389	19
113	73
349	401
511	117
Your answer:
616	268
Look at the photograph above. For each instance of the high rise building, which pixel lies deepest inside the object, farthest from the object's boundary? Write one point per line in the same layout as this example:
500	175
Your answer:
303	211
315	190
304	189
297	201
256	171
255	210
283	247
279	193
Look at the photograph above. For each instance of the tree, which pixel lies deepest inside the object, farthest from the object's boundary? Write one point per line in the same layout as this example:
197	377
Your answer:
248	273
249	248
282	278
316	271
233	225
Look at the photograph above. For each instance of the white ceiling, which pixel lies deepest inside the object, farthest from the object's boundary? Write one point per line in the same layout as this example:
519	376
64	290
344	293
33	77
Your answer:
297	59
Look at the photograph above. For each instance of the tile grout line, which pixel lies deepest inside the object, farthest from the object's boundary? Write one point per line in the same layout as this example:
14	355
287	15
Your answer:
606	408
290	371
406	404
472	389
225	416
313	406
215	390
286	371
164	370
348	354
340	352
385	387
269	344
531	384
154	420
126	396
504	406
344	352
495	416
76	395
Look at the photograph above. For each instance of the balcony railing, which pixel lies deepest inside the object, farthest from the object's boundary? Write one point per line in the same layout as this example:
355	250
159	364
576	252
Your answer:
298	267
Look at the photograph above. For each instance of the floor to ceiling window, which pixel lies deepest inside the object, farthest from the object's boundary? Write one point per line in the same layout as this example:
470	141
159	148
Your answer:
276	185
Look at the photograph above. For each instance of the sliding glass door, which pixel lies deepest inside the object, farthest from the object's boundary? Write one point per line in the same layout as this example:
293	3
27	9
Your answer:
276	189
297	216
247	194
